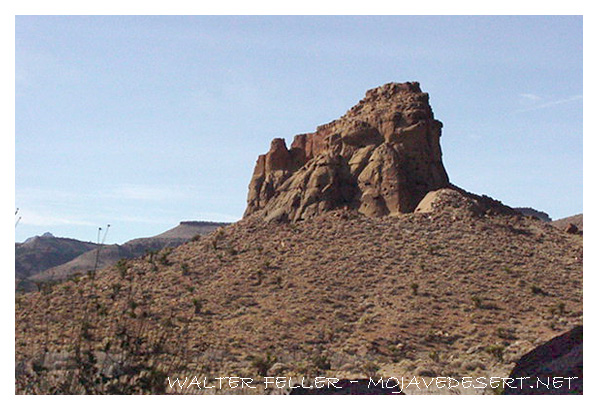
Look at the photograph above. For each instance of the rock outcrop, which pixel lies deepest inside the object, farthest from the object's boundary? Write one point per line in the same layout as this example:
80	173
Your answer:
531	212
459	200
381	158
552	368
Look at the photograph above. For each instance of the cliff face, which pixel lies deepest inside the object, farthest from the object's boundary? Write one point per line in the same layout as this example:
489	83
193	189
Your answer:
381	158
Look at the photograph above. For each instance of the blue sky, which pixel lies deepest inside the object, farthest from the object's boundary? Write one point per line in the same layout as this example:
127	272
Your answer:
141	122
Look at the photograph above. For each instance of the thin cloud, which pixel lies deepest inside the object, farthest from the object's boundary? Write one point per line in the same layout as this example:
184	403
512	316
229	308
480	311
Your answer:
530	97
551	103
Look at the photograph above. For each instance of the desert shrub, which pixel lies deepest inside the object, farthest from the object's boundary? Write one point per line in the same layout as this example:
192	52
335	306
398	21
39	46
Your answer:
536	290
370	368
197	305
397	352
477	301
163	259
505	333
432	249
122	267
498	389
232	251
559	308
414	288
263	363
116	288
259	277
496	351
216	238
321	362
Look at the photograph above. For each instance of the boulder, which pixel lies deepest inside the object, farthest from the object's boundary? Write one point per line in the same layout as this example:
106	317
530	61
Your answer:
552	368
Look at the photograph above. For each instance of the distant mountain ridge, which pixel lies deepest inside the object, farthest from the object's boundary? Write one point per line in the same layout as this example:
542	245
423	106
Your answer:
51	258
40	253
529	211
45	235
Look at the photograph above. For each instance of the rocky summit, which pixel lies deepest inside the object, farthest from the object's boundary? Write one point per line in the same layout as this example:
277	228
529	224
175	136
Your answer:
381	158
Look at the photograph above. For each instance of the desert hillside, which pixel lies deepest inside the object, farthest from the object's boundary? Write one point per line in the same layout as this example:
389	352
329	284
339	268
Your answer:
109	254
356	258
564	223
423	294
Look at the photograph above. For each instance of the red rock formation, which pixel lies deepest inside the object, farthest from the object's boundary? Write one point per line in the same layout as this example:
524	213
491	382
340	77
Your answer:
382	157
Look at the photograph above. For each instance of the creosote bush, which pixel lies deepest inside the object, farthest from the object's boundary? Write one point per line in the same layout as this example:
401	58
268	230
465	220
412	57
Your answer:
477	301
559	308
122	267
197	305
537	290
163	258
496	351
321	362
370	369
263	363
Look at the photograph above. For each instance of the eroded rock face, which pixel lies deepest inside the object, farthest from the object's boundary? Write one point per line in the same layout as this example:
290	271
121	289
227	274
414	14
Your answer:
382	157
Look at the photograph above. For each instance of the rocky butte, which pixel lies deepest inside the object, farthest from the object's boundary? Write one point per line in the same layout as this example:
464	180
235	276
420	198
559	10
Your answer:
381	158
406	276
